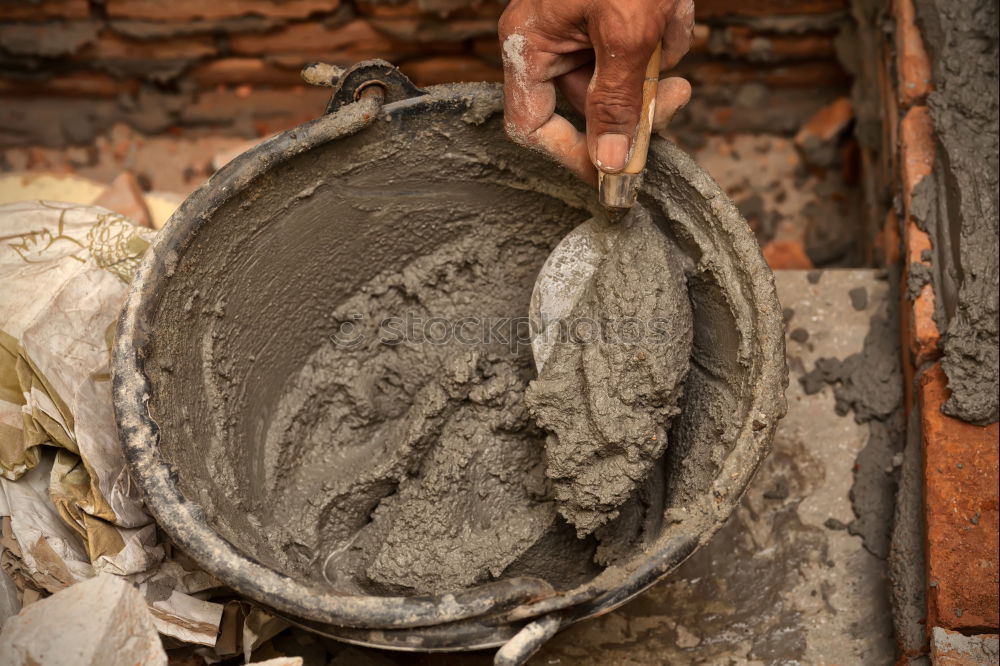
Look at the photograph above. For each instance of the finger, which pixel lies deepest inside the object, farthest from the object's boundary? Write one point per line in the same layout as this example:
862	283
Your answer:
672	95
678	35
574	86
622	50
529	108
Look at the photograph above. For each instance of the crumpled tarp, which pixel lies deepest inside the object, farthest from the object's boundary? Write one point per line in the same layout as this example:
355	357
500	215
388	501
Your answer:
69	509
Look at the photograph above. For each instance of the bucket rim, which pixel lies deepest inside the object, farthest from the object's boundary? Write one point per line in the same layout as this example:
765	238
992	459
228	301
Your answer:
505	604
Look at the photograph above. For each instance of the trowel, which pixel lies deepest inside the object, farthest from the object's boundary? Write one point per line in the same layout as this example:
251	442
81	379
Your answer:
568	269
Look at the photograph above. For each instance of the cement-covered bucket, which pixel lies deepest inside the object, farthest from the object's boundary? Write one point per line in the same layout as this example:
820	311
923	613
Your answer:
239	287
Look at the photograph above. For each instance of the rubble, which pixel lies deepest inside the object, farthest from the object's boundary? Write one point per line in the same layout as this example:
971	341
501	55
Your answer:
101	621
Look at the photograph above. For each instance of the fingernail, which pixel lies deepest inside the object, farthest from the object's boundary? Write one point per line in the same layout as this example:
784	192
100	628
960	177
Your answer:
612	151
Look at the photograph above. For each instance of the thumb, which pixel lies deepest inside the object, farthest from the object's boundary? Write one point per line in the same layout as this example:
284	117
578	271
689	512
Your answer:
614	99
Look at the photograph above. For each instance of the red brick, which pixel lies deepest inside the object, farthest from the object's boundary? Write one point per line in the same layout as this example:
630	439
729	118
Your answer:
451	70
719	8
302	42
743	42
47	39
912	64
828	123
20	10
190	9
963	525
809	74
423	8
925	337
916	159
113	47
73	84
267	111
433	30
786	255
916	150
239	71
887	243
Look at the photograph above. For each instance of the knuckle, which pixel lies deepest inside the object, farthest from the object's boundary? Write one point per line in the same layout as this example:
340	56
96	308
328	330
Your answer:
518	134
612	109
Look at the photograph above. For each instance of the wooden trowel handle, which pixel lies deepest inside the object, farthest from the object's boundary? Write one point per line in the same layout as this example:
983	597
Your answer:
618	190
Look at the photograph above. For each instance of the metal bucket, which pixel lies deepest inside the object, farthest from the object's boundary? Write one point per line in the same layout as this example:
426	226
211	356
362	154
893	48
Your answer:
283	252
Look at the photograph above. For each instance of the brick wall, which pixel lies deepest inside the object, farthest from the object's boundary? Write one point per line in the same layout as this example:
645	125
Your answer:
960	459
71	69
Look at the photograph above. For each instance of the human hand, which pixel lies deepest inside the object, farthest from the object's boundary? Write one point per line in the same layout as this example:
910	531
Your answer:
595	52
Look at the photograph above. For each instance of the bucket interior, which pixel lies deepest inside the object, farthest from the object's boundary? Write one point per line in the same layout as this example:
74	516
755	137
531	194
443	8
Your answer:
263	294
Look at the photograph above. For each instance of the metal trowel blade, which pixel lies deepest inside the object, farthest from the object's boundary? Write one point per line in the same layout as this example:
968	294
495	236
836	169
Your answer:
563	280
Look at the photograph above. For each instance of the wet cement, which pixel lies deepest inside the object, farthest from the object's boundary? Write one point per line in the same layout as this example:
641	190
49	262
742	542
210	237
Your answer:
322	451
958	203
432	473
608	393
870	384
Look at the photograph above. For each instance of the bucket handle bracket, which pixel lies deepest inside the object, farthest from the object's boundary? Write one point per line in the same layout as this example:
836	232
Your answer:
365	79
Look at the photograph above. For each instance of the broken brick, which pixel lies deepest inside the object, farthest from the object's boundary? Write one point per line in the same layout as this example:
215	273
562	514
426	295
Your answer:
916	150
818	140
124	196
963	524
916	159
786	255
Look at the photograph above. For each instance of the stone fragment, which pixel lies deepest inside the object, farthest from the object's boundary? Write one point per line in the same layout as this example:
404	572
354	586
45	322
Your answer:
100	621
950	648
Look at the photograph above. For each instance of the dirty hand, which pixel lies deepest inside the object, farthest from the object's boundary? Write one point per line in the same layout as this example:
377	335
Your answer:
595	52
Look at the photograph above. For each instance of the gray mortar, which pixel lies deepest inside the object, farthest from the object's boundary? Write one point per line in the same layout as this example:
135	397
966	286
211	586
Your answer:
870	384
393	465
608	401
859	298
958	203
431	472
226	344
907	566
918	275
